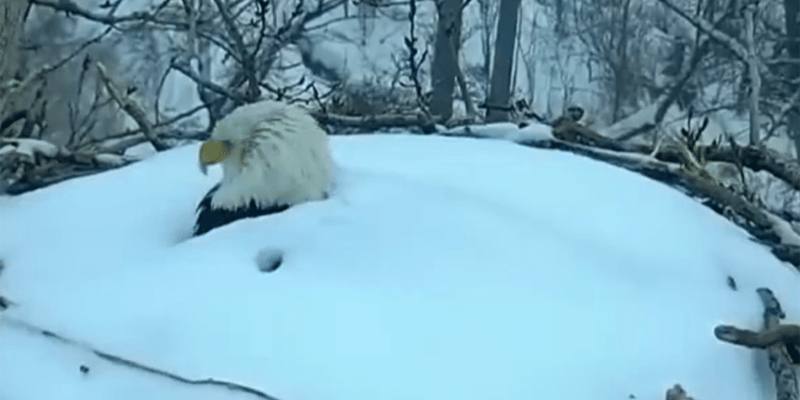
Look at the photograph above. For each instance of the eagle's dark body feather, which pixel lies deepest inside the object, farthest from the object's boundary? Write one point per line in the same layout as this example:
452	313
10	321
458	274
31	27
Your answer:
209	218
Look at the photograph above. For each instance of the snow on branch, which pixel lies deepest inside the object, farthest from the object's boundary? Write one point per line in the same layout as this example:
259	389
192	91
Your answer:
780	341
28	164
125	362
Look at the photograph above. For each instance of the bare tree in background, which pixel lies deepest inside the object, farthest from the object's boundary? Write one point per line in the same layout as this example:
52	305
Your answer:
607	29
754	74
620	65
11	22
500	86
445	57
488	21
186	35
792	46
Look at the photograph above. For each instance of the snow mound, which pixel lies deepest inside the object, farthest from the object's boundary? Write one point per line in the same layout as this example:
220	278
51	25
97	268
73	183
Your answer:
440	268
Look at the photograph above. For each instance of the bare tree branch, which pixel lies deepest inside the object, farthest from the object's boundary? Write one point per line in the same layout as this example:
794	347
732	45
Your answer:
706	27
127	104
182	68
248	62
71	7
781	334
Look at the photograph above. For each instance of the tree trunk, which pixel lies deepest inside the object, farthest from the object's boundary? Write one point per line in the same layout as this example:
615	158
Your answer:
487	25
792	21
445	57
621	75
11	16
755	76
560	29
500	87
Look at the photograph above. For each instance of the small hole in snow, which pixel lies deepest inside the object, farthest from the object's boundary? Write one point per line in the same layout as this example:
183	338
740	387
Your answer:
268	260
731	283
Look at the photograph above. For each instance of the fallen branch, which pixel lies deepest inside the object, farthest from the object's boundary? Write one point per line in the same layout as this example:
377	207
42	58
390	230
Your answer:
375	122
118	360
29	164
788	335
780	341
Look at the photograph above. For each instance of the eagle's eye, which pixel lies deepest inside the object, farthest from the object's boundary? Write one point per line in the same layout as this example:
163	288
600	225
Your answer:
213	152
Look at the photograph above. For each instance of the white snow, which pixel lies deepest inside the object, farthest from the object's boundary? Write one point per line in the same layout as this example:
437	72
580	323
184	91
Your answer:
533	132
440	268
29	147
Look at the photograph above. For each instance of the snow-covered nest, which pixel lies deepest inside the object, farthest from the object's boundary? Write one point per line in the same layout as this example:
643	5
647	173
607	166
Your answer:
440	268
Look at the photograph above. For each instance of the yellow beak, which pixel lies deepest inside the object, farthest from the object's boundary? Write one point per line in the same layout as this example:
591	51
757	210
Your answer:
213	152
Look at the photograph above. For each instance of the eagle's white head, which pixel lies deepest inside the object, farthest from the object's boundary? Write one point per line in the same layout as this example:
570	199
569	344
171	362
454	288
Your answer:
272	153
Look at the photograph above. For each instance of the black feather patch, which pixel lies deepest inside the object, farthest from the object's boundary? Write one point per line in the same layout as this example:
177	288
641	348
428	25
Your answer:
209	218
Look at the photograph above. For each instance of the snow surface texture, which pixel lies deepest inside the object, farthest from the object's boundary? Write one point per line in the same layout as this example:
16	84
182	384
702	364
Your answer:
440	268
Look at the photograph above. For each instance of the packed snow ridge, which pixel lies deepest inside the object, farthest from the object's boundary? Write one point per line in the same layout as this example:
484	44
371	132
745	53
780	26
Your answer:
439	268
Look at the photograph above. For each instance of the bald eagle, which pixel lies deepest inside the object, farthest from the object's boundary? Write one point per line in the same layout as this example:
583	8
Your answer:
273	155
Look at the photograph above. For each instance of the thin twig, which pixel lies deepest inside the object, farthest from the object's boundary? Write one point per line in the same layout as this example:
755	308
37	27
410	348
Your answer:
126	362
208	85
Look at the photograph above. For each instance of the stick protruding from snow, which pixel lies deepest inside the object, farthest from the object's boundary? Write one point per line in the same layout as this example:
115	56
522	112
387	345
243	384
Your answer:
678	393
780	341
